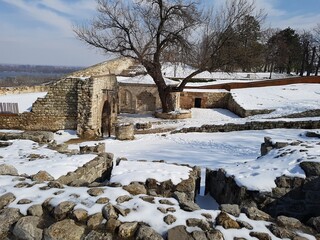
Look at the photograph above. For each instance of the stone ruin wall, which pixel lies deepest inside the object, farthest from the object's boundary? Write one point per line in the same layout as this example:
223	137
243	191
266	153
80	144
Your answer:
292	196
236	108
115	66
217	99
24	89
57	110
128	96
92	96
70	103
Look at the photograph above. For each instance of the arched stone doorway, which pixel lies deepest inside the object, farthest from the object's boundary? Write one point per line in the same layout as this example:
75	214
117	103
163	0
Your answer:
106	119
146	102
126	101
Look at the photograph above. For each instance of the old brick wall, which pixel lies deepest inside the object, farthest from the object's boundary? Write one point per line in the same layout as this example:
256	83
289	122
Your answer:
71	103
60	102
213	99
31	121
141	98
24	89
114	66
133	98
93	94
57	110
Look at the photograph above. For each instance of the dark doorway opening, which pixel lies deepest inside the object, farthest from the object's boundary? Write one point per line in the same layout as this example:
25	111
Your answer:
197	102
106	121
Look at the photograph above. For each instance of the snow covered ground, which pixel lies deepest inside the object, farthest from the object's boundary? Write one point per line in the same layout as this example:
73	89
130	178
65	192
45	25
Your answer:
179	70
131	171
236	152
29	158
24	100
199	117
285	100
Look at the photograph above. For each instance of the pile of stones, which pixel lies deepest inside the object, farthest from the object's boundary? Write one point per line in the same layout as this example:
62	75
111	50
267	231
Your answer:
64	221
294	197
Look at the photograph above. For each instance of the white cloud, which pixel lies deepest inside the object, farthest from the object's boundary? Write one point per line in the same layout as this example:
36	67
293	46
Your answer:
269	7
76	8
44	46
47	11
57	5
299	22
42	15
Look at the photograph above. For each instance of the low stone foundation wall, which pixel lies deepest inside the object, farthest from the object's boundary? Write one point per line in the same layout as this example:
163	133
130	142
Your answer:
24	89
33	122
185	191
308	113
124	131
224	189
235	107
36	136
254	125
97	170
180	115
293	196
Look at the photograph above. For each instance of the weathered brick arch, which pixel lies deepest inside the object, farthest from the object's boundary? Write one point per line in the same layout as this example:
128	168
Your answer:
126	101
97	106
146	102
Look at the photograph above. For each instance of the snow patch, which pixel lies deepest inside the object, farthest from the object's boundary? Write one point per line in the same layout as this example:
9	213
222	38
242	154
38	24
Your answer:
139	171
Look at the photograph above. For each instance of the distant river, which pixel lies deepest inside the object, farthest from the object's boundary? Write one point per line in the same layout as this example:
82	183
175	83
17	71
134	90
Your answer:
6	74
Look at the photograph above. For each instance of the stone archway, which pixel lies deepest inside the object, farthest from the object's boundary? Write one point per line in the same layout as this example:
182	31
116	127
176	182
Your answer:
106	119
126	101
146	102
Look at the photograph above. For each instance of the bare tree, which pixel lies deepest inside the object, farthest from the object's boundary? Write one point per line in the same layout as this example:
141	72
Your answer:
309	52
317	39
145	30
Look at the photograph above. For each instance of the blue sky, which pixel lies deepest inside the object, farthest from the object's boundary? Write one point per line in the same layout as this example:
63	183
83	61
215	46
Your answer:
40	31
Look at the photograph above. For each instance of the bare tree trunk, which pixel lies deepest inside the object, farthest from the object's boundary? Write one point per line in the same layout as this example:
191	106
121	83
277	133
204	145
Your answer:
310	65
303	62
317	67
271	69
163	90
289	66
166	100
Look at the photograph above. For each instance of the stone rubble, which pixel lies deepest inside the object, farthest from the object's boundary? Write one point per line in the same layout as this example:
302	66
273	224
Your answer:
64	222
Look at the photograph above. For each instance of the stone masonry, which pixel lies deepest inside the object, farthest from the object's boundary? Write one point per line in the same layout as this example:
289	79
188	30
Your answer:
141	98
71	103
293	196
217	99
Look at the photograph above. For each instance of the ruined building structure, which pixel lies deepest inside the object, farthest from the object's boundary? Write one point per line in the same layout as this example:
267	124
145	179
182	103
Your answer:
89	100
81	104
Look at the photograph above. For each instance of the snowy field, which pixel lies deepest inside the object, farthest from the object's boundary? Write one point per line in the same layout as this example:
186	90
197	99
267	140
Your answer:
24	100
284	100
182	70
236	152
